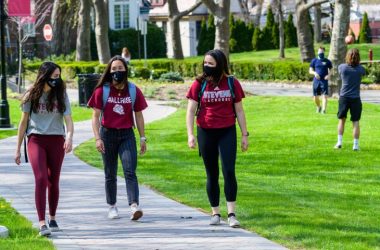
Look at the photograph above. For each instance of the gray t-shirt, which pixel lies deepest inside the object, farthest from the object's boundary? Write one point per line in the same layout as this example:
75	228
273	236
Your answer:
44	122
351	79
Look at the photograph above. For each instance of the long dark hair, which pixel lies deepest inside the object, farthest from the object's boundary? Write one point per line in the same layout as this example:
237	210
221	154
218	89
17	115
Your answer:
57	93
353	57
221	65
107	77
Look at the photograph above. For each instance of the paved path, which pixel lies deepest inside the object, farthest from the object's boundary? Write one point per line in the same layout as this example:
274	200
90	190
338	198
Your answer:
82	212
371	96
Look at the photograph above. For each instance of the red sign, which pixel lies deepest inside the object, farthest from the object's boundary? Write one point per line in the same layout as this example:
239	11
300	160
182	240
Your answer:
48	32
18	7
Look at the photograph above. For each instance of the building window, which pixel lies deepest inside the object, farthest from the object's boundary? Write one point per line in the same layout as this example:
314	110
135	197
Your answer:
126	16
198	25
121	15
117	16
164	27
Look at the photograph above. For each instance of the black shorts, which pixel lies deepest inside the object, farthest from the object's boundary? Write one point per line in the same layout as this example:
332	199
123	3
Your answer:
320	87
352	104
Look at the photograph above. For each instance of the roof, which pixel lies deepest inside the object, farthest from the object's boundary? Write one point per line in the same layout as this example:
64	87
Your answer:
186	4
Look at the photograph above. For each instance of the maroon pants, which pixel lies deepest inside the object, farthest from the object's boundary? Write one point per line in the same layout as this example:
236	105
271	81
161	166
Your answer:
46	154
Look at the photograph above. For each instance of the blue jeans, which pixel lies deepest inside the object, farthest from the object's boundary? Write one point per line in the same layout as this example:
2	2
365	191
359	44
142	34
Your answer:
122	143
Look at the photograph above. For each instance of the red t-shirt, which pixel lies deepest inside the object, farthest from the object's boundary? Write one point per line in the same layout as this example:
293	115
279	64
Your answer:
216	103
118	111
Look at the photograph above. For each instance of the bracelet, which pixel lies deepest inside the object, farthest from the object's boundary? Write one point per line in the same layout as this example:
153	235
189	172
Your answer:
143	138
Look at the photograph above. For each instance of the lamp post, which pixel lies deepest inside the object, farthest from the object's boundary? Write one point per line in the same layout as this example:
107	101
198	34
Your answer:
143	26
4	107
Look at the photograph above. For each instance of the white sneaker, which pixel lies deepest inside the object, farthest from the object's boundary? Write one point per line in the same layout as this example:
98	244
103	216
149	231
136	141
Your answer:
44	231
233	222
355	147
338	146
215	220
136	212
113	213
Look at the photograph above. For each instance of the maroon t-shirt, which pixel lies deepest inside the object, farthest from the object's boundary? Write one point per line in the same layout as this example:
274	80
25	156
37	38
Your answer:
118	110
216	103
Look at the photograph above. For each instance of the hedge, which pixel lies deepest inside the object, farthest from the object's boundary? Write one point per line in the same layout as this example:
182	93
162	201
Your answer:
249	70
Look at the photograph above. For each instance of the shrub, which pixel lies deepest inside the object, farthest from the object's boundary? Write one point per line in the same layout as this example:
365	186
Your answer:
290	33
206	36
100	68
289	71
365	30
141	72
171	77
374	72
156	73
244	69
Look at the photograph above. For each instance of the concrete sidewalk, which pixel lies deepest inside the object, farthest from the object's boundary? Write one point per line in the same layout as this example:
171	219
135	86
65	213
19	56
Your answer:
370	96
82	211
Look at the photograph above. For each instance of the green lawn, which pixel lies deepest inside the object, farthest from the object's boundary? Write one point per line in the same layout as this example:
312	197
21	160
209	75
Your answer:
21	233
294	188
78	113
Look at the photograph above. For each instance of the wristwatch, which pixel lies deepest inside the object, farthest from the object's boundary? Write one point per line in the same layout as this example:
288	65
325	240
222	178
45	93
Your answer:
143	138
246	134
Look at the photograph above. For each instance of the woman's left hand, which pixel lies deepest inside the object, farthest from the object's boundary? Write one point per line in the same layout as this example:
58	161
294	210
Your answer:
142	147
244	143
68	146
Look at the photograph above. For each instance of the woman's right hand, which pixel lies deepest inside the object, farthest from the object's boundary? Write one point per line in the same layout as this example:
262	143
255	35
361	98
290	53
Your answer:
191	141
18	157
100	145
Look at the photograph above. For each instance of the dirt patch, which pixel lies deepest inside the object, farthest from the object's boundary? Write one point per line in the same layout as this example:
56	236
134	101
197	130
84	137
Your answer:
169	91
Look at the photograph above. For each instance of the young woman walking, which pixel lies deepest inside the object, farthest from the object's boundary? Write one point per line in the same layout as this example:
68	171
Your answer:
115	101
216	98
44	108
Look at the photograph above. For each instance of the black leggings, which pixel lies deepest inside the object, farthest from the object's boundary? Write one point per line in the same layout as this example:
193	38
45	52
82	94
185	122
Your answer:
213	142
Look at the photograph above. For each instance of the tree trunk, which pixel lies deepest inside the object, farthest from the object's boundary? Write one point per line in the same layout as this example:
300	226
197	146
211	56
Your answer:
174	18
281	29
64	28
244	10
259	4
304	36
83	50
305	39
338	47
101	30
175	36
19	74
317	23
222	27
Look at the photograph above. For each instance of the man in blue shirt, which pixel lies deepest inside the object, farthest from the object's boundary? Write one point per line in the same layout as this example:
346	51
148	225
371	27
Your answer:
320	68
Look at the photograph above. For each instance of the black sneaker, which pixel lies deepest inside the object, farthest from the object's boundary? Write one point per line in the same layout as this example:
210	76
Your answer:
44	231
53	226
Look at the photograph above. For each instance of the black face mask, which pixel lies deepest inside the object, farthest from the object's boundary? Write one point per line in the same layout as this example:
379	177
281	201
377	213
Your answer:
214	72
53	82
119	76
321	55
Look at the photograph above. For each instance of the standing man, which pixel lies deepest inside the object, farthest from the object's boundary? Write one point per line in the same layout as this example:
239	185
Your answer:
320	68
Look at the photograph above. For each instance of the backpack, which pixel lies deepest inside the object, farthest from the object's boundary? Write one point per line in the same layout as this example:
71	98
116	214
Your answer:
230	81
